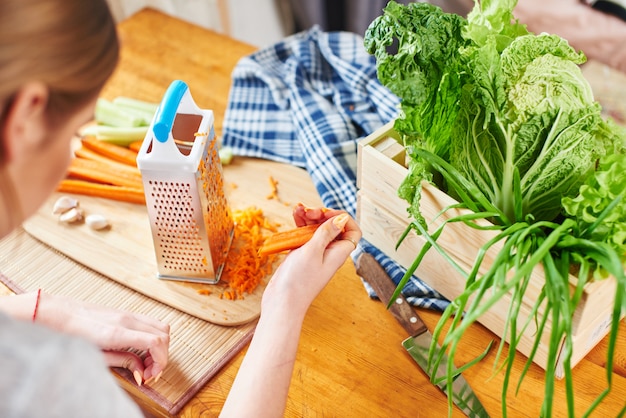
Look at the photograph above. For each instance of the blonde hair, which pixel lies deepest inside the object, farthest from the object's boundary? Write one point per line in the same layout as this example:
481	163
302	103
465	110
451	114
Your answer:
69	45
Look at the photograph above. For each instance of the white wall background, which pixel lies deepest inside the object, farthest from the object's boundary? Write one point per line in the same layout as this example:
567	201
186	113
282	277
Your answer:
257	22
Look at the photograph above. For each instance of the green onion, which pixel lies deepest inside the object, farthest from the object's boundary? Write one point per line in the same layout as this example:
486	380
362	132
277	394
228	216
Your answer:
525	246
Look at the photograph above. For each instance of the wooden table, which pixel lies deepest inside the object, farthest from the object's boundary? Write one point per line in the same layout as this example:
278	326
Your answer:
350	361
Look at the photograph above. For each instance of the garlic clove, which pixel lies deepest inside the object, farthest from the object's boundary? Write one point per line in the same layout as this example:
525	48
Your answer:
63	204
72	215
97	222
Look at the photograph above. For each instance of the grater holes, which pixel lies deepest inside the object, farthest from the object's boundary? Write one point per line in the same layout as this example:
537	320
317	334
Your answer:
183	258
191	223
216	207
176	227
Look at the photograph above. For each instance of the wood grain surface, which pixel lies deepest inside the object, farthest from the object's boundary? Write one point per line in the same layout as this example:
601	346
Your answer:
125	252
350	361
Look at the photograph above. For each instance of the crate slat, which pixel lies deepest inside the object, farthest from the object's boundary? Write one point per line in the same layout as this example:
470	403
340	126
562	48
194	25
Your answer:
383	218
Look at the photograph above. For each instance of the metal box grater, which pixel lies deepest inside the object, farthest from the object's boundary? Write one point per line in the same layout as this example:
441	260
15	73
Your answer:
191	222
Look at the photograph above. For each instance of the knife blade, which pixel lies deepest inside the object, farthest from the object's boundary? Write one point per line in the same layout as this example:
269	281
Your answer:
419	342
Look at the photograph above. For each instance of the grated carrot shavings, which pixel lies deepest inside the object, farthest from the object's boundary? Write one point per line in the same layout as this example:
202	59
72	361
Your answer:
245	269
274	191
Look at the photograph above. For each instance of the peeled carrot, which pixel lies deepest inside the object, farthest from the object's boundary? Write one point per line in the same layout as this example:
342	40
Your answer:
288	240
121	193
101	172
112	151
87	154
135	145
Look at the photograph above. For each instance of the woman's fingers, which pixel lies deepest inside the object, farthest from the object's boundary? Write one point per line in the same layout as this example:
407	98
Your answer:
115	331
126	360
155	344
153	370
83	318
328	231
144	370
351	232
126	319
150	324
336	238
304	215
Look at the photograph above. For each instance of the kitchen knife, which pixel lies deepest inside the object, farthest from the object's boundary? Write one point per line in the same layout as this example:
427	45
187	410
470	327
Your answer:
419	342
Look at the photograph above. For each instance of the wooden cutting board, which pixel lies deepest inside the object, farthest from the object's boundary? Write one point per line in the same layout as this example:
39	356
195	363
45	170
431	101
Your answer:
125	252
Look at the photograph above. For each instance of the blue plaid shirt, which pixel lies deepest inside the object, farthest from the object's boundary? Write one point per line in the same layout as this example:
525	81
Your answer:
306	101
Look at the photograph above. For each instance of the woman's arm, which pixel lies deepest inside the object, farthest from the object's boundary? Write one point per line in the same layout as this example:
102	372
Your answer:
112	330
262	383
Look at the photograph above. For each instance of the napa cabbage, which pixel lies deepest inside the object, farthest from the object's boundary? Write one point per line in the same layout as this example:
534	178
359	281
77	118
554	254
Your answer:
508	109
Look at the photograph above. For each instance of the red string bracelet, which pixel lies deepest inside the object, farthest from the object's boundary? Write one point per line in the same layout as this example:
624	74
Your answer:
37	304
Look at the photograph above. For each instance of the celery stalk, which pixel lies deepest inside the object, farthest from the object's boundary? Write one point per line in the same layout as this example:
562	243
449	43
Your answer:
107	113
129	102
140	108
145	117
226	155
117	135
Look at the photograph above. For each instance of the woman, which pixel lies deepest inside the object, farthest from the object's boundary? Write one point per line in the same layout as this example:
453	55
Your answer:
55	57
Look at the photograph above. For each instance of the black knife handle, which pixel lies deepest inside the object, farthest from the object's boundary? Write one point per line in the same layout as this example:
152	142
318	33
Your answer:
368	268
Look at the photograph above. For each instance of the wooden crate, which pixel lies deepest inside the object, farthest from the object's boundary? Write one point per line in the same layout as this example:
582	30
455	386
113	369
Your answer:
383	217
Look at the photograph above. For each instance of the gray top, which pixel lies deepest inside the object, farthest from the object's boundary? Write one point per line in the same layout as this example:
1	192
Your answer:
46	374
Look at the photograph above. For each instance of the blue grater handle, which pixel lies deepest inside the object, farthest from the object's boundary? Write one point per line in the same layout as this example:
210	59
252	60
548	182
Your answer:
166	113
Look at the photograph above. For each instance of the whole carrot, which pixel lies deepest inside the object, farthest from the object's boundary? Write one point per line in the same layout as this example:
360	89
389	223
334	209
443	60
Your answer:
121	193
112	151
135	145
87	154
102	173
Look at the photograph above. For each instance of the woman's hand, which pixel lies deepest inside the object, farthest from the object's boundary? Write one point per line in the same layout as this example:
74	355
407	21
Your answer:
114	331
306	270
303	215
295	284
